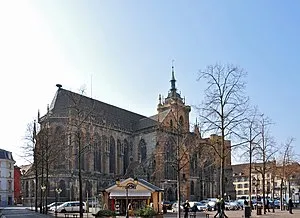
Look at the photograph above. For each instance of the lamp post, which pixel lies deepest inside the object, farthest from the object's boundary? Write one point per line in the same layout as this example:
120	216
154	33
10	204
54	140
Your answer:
43	188
57	192
128	186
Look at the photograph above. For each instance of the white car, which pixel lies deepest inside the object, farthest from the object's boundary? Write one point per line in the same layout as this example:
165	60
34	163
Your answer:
70	206
202	206
53	205
175	207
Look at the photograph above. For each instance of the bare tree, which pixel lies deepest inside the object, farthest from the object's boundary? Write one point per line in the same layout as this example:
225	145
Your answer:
249	134
224	107
79	124
175	137
287	169
264	152
50	146
30	154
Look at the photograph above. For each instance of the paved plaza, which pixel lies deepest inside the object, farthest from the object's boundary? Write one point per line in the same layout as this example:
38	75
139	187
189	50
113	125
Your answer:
25	212
240	214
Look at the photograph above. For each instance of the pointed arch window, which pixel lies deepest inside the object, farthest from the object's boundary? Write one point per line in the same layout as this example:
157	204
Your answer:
63	187
181	122
142	151
126	156
192	188
119	148
59	141
194	163
112	155
170	160
97	153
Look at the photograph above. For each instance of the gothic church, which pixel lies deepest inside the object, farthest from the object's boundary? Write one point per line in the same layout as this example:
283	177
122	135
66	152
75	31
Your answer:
107	142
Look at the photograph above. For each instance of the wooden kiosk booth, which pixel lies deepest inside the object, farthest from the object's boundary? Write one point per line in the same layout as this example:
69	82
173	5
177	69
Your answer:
131	194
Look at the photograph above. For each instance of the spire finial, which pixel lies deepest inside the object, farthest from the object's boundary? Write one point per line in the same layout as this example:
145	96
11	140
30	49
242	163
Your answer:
173	77
173	80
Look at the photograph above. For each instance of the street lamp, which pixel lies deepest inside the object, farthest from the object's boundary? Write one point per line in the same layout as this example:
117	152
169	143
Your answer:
57	191
43	188
128	186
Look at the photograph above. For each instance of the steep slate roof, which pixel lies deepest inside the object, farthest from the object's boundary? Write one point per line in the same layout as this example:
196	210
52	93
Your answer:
155	188
161	116
103	113
240	168
7	155
145	123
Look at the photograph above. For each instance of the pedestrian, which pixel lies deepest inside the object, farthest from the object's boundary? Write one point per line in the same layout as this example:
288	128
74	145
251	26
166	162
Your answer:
222	205
291	206
218	206
186	208
268	205
194	209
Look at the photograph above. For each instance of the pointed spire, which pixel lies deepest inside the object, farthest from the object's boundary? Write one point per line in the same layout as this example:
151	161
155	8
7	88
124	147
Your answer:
173	80
38	116
197	128
159	99
34	130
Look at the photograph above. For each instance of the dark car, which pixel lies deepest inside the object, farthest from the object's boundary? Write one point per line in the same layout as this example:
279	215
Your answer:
167	204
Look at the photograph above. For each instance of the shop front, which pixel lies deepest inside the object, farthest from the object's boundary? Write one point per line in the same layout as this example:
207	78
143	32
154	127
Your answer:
129	195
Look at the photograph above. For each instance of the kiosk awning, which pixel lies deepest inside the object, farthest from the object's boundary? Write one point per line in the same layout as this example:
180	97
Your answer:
122	194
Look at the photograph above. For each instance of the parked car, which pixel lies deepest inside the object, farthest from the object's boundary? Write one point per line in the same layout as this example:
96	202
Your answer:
233	205
211	205
167	204
202	206
175	207
192	203
276	204
53	205
70	206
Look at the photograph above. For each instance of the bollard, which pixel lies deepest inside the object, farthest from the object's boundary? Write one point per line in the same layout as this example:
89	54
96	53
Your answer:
247	212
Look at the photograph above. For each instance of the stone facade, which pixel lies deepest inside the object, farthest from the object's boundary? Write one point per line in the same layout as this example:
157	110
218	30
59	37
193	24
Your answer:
6	178
107	142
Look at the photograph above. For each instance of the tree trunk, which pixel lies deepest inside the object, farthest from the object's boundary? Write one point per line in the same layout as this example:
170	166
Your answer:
80	176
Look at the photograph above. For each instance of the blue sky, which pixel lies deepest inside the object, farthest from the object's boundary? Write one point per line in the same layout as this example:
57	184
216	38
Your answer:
122	52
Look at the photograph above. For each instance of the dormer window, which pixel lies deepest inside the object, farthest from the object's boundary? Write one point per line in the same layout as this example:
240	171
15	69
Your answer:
171	124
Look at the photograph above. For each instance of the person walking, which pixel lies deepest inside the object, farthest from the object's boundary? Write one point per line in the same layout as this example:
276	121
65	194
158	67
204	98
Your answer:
218	207
291	206
186	208
268	205
194	210
222	205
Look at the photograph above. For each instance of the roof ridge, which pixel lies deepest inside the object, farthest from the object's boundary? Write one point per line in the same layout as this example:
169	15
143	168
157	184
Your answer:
118	107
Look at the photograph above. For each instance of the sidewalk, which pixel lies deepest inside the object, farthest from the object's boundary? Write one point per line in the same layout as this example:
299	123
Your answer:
240	214
278	214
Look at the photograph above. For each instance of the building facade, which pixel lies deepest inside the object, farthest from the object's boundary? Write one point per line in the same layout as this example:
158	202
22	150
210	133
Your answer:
6	178
277	184
17	185
106	142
